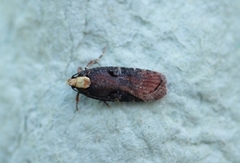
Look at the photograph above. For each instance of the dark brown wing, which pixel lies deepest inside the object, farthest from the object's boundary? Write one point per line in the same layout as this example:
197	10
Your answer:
124	84
146	85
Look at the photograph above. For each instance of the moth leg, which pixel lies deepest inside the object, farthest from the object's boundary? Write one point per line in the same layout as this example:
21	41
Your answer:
105	102
96	60
77	100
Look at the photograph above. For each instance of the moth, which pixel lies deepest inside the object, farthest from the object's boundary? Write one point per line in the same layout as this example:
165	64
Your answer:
118	84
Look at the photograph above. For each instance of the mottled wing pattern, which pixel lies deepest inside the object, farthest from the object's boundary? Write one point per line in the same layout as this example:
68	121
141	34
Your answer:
146	85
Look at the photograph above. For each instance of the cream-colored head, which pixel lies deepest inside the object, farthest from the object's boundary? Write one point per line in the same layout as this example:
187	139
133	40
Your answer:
79	82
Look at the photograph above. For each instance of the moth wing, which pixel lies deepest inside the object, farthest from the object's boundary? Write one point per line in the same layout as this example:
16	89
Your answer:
147	85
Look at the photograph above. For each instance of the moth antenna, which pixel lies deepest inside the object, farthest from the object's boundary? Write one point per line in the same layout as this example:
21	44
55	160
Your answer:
96	60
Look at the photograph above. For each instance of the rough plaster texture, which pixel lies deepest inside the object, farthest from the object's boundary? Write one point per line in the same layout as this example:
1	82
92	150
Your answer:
196	44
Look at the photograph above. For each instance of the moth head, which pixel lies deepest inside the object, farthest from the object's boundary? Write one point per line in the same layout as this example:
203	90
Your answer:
79	82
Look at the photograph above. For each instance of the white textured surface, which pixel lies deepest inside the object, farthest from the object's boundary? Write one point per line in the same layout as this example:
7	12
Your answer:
196	44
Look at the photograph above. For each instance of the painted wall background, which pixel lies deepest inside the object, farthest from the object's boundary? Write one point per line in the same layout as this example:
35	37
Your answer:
196	44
